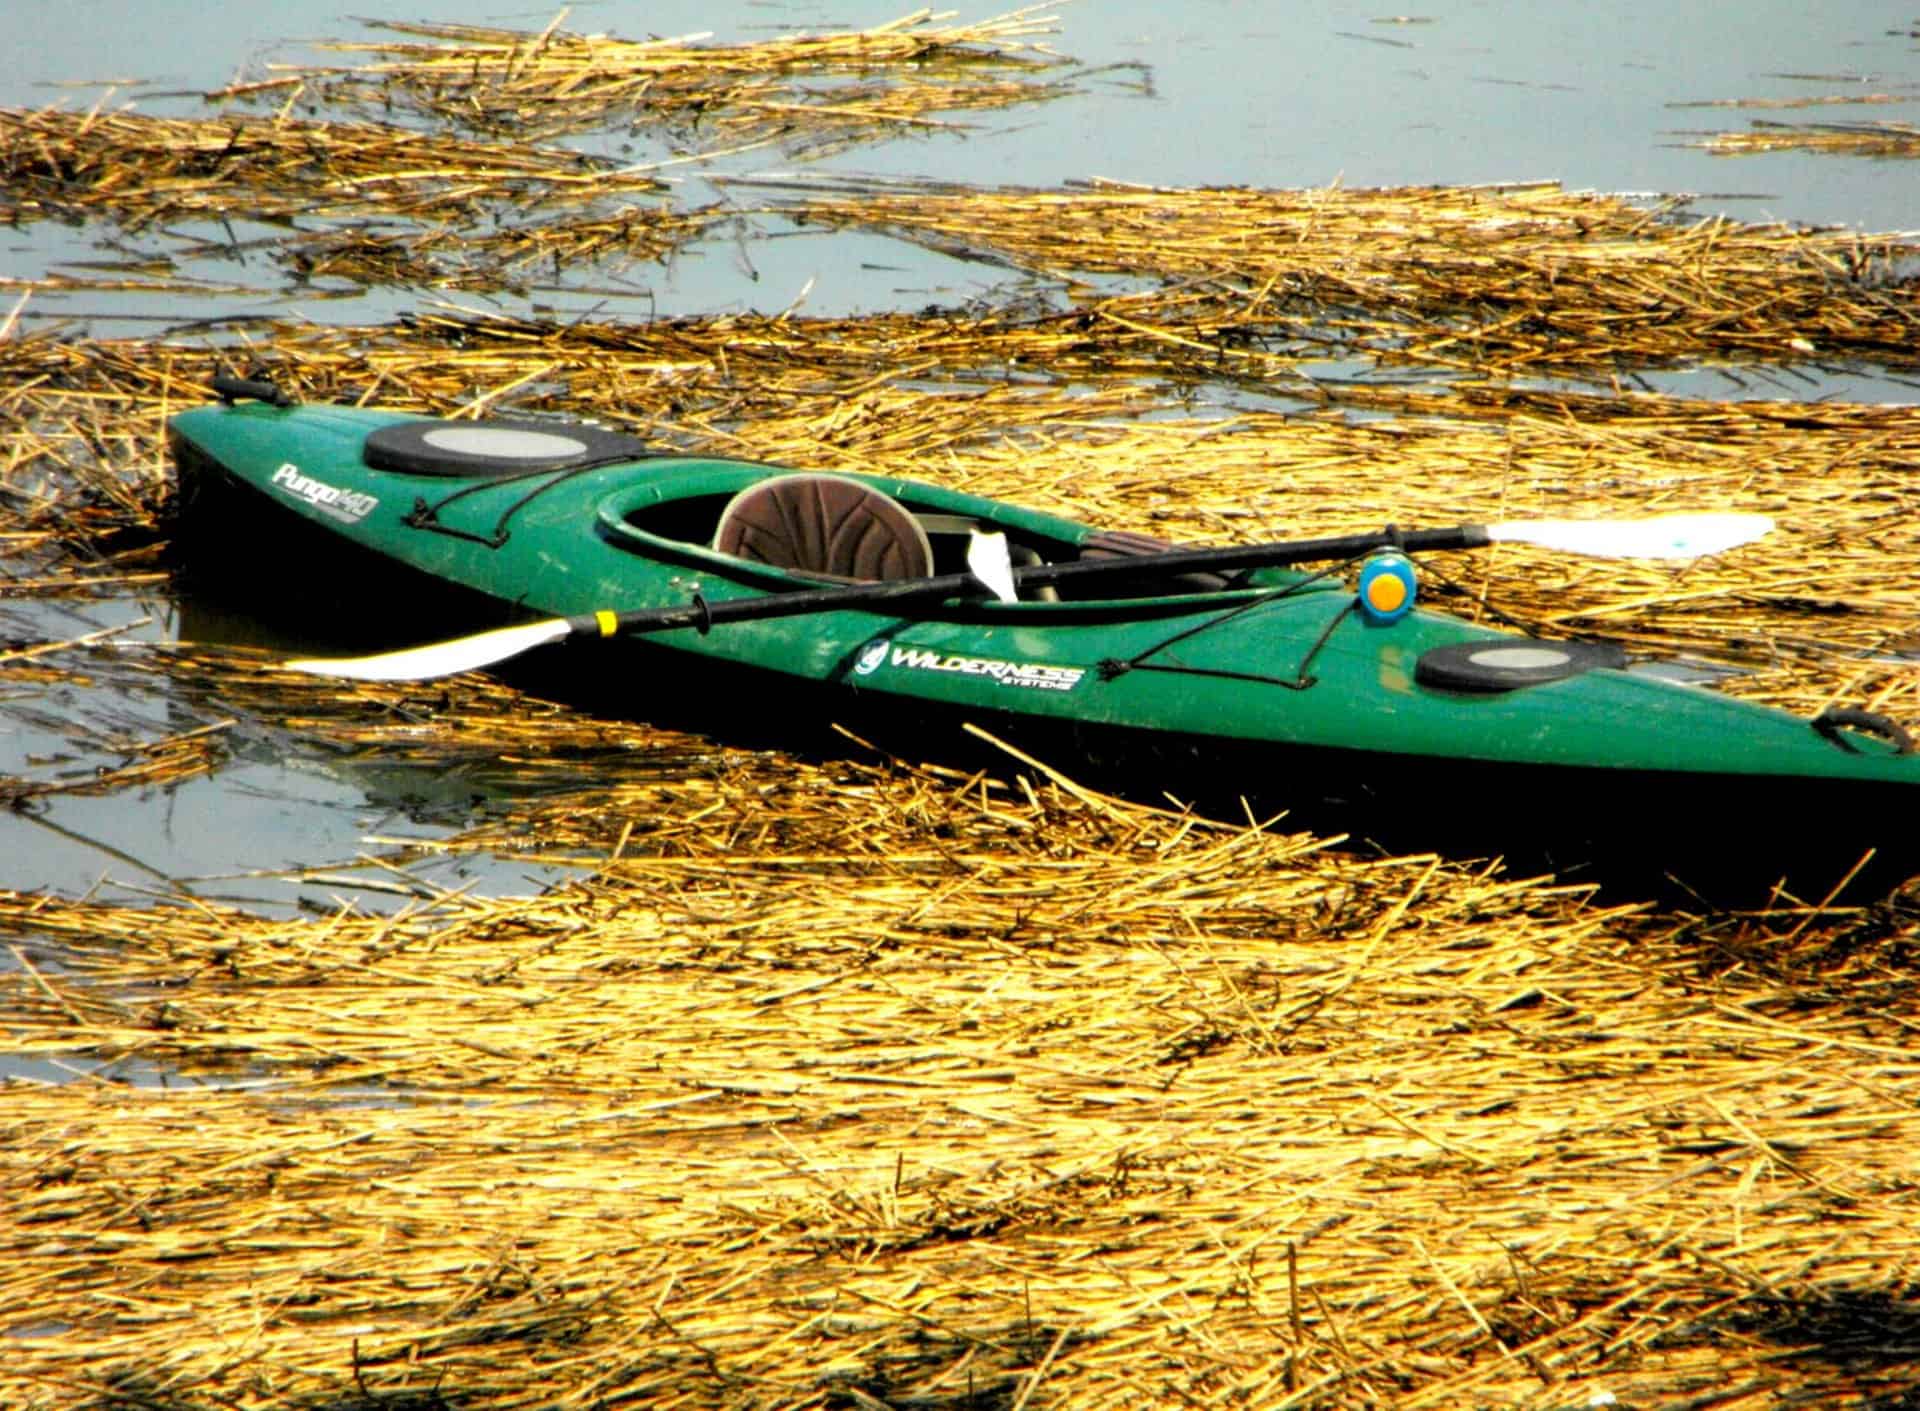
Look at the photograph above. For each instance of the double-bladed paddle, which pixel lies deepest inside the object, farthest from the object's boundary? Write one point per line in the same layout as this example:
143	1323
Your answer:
1678	536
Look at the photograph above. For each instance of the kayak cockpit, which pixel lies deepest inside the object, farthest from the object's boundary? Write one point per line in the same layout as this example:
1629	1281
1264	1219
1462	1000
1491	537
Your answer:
862	529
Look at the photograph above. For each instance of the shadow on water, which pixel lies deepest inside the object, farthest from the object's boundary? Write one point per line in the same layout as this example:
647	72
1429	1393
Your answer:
855	1395
1859	1328
1869	1333
447	780
135	1394
918	1375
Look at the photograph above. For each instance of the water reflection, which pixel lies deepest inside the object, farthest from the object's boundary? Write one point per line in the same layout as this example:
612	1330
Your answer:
276	820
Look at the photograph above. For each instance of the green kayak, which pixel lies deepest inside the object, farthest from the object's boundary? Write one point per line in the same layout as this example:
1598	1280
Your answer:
904	610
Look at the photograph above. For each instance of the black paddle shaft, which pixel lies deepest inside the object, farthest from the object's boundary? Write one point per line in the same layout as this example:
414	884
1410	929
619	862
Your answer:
702	614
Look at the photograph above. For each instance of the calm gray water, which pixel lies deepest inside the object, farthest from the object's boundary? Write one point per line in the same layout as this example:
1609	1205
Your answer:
1207	92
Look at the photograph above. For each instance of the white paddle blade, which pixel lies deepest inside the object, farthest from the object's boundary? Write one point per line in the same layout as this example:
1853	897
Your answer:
990	562
1669	536
439	658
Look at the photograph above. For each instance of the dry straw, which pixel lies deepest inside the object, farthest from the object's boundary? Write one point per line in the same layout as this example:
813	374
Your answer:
365	203
871	1086
1818	100
154	171
369	203
1846	139
144	764
1491	281
808	91
850	1086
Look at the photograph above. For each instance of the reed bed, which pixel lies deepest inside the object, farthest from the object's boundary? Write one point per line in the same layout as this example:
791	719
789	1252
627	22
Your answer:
878	1090
1816	100
810	92
69	165
362	202
1845	139
161	281
1501	281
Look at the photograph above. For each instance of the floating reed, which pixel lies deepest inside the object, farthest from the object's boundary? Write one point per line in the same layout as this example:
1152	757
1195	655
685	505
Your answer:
501	739
161	281
1499	281
811	91
1821	100
1488	281
336	188
1845	139
151	171
144	764
437	751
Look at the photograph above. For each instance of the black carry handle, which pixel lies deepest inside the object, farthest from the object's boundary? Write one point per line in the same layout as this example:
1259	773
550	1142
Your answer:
232	389
1833	719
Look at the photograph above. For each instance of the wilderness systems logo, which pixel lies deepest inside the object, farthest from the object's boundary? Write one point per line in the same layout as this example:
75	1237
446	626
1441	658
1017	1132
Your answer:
1025	675
347	506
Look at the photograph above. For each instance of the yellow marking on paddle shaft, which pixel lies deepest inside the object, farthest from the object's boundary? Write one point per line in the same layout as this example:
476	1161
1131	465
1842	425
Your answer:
609	624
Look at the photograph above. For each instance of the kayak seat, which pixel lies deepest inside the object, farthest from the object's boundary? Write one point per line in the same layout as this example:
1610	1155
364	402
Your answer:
825	526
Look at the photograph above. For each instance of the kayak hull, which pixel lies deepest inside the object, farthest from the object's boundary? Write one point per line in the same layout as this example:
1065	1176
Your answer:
1274	698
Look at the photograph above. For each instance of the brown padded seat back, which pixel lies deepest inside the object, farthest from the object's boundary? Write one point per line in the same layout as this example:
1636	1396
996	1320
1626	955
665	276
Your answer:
827	526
